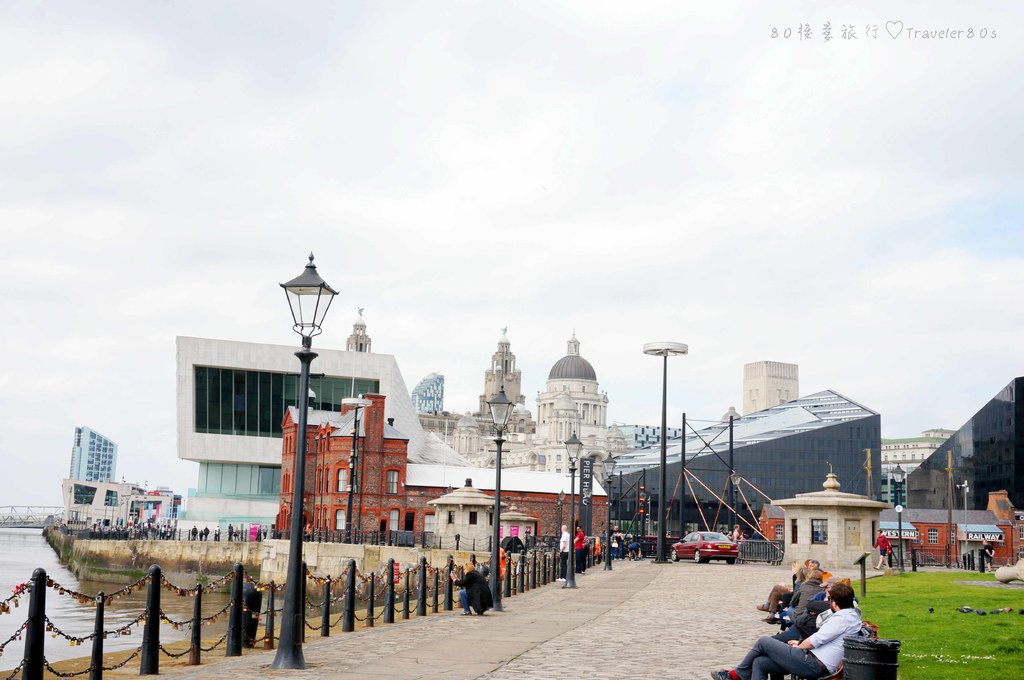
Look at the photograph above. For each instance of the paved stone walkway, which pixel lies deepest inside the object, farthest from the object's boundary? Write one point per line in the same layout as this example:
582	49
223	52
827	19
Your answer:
675	620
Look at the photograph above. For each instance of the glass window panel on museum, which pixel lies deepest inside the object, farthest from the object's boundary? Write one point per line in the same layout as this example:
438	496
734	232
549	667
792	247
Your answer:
252	403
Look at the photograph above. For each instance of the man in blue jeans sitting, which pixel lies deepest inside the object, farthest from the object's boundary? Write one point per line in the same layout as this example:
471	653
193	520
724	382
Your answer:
816	657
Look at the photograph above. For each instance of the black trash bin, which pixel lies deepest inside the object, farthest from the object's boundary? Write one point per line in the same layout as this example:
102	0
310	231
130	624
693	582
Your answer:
251	619
870	658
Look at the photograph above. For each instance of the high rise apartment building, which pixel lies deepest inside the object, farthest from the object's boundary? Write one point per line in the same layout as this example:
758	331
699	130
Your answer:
93	457
428	395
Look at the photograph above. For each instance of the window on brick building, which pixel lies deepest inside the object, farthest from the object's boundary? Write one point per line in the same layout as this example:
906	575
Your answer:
933	535
780	530
410	520
428	522
391	482
339	520
342	481
472	516
393	519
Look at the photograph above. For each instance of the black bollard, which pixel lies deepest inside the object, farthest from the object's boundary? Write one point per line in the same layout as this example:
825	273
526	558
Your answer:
405	597
544	569
437	590
533	571
369	600
233	646
981	560
421	596
268	636
913	559
194	652
96	660
34	638
325	611
522	572
150	657
448	585
348	616
389	593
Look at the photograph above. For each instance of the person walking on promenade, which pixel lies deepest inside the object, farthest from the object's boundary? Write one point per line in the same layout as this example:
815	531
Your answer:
815	657
884	547
563	551
580	544
474	594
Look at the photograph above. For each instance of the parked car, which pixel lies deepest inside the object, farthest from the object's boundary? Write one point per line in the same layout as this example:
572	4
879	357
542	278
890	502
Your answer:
703	546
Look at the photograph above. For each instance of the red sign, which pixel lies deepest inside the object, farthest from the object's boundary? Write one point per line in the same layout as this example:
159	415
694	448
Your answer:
398	573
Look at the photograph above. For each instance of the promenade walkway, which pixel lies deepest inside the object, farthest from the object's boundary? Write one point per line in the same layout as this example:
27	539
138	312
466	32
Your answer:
640	620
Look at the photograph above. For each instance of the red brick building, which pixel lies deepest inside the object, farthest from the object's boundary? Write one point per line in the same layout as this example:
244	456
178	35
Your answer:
393	494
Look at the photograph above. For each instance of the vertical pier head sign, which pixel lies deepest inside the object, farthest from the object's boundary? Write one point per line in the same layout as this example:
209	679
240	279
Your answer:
586	493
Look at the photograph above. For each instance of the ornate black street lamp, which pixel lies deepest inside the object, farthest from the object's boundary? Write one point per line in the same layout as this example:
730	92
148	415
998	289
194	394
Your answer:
309	298
609	470
898	476
664	350
501	411
573	447
353	460
561	502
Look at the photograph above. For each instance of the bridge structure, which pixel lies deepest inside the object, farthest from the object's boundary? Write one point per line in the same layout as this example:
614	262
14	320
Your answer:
29	516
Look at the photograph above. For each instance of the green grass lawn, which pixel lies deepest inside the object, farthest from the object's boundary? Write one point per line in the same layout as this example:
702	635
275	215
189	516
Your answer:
946	643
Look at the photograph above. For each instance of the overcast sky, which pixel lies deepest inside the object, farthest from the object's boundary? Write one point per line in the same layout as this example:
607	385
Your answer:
634	171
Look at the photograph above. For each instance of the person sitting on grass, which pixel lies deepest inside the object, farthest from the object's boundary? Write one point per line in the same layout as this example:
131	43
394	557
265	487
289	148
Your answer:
474	593
816	657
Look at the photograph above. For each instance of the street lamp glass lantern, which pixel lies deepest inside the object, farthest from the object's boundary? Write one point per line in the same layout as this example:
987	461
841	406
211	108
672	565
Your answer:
501	410
309	298
573	447
609	468
898	474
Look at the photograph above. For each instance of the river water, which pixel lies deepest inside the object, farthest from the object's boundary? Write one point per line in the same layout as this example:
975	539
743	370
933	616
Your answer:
24	550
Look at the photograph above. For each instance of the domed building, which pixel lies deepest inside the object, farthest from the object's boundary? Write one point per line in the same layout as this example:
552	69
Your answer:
574	403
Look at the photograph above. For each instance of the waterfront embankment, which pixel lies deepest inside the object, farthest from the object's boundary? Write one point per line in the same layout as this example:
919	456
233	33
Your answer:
127	561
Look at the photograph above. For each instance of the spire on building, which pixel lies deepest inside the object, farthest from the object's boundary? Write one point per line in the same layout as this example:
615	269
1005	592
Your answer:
503	371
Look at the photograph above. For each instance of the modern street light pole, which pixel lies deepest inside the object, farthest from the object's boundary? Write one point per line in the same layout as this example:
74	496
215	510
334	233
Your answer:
609	470
309	298
501	411
898	476
573	447
663	350
353	460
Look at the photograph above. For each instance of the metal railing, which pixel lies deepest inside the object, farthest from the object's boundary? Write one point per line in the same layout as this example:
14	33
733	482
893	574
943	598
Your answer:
770	552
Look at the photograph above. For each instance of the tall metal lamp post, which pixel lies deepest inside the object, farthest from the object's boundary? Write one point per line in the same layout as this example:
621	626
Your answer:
573	447
353	460
609	470
561	502
963	485
898	477
663	350
309	298
501	411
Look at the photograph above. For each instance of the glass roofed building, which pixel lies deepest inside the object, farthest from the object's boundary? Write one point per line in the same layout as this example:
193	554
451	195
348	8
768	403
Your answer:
776	453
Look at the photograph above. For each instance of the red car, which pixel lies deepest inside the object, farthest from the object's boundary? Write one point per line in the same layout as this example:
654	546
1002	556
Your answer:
704	546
